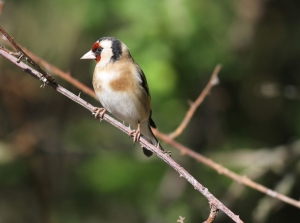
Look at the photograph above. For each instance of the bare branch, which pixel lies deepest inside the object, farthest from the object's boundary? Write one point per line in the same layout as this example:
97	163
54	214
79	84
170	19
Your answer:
66	76
208	162
222	170
22	54
181	219
197	103
2	3
213	214
161	154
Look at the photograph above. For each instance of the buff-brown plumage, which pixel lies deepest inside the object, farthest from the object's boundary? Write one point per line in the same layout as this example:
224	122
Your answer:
121	86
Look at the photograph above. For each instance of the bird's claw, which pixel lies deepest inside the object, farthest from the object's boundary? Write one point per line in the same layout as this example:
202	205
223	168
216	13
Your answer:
136	134
99	113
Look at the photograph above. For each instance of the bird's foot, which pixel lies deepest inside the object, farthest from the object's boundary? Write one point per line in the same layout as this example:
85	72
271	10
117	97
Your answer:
135	133
99	113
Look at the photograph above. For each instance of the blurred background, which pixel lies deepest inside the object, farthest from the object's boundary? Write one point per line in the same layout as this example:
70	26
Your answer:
57	164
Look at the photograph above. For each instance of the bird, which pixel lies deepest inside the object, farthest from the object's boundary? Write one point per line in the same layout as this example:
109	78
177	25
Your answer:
121	87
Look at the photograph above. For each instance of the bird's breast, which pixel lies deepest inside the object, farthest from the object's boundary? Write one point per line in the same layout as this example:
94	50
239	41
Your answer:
121	94
118	78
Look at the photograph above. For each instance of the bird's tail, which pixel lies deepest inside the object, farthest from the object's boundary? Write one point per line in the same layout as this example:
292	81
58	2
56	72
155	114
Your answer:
149	136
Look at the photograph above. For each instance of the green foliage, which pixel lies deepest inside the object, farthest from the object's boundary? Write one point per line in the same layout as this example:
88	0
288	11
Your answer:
57	164
118	173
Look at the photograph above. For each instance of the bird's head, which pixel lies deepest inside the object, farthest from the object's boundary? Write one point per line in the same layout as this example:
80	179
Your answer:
106	50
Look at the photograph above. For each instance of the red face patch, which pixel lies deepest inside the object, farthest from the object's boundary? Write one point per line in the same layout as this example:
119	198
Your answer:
94	49
98	58
95	46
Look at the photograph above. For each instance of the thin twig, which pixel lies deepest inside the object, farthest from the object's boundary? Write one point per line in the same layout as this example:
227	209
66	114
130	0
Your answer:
213	214
181	219
197	103
66	76
222	170
166	138
2	3
164	156
22	54
56	71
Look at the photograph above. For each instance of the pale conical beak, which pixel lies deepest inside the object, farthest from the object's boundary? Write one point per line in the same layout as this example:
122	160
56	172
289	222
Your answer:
89	55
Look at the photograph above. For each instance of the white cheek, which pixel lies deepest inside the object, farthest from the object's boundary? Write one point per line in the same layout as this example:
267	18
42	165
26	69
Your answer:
105	57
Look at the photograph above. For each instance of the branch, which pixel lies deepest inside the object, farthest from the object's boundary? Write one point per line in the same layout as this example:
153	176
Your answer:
66	76
222	170
197	103
181	219
213	214
164	156
55	70
22	55
184	150
1	6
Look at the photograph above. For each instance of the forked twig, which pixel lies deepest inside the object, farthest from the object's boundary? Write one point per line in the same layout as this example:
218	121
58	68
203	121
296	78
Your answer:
197	103
222	170
208	162
213	214
164	156
181	219
22	54
166	138
66	76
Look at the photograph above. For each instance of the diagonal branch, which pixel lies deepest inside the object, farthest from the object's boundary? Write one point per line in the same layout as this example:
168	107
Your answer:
197	103
166	138
164	156
21	54
66	76
222	170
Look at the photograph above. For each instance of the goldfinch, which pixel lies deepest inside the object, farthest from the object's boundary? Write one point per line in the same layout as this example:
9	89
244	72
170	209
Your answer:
121	86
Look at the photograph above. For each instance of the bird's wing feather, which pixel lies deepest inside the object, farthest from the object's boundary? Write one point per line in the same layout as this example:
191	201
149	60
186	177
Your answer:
144	85
143	80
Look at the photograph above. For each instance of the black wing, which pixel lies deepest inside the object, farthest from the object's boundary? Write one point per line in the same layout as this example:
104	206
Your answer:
146	88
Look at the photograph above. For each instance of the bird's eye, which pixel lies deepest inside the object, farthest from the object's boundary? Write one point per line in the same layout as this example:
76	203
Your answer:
99	50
